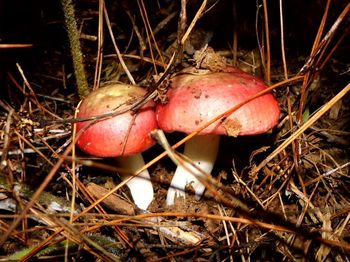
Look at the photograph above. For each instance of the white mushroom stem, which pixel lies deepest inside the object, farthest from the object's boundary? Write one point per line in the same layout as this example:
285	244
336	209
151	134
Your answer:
202	150
140	186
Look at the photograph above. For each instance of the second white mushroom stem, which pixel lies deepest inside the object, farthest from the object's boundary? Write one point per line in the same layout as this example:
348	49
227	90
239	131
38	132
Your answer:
202	150
140	186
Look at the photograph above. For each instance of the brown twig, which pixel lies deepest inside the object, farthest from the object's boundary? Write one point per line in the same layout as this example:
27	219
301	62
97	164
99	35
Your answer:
285	69
305	126
120	58
100	37
267	39
149	32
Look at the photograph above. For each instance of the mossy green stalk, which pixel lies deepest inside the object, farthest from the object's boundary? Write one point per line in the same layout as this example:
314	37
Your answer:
77	56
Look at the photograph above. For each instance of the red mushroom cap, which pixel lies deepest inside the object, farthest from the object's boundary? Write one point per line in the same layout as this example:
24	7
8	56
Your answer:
195	99
106	138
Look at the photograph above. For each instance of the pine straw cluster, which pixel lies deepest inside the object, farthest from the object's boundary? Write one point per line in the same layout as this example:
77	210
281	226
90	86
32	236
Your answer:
285	197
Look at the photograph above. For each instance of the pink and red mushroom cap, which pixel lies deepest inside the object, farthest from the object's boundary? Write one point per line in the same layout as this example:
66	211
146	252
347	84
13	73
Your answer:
195	99
124	135
198	96
121	135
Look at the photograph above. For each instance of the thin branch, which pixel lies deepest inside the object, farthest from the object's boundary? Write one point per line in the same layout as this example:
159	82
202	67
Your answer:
121	60
99	56
305	126
283	51
267	35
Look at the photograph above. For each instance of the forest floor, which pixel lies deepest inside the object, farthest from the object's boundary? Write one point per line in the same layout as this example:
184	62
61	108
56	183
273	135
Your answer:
279	196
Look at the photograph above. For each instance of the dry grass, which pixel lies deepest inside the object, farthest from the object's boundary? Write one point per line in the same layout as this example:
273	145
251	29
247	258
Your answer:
287	198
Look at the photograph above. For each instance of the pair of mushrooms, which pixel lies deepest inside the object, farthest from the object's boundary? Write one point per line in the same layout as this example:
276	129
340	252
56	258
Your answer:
194	99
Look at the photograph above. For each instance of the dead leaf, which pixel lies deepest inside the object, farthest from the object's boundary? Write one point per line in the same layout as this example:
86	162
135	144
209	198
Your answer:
232	127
